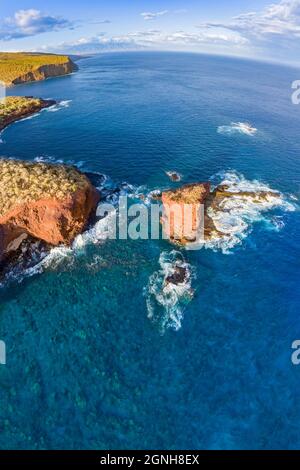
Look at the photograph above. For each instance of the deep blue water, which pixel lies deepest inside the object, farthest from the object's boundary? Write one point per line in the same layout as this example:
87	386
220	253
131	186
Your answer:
86	367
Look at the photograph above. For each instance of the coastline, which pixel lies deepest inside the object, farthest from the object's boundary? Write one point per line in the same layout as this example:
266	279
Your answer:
27	112
18	68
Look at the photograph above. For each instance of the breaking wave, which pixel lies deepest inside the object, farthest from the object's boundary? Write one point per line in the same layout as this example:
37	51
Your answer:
58	106
166	300
36	257
51	109
174	175
237	214
238	128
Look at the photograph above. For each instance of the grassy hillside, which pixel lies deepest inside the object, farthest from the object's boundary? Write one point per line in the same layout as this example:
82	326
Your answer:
15	65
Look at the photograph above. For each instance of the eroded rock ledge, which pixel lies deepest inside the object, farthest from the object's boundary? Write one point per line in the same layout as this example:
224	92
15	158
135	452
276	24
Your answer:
49	202
14	108
213	202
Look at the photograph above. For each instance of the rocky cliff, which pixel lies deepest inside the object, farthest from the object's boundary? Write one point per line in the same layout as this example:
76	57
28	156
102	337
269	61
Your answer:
182	218
14	108
17	68
52	203
46	71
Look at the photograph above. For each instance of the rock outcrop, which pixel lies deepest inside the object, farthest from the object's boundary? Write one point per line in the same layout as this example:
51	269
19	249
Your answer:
52	203
183	217
46	71
174	176
14	108
18	68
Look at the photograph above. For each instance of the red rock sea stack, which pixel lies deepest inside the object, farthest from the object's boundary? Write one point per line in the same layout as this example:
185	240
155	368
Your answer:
52	203
182	218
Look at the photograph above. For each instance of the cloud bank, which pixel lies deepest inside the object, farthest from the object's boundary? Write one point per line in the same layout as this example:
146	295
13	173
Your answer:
277	21
31	22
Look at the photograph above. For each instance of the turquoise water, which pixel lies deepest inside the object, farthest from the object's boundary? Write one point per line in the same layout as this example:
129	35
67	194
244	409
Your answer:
95	357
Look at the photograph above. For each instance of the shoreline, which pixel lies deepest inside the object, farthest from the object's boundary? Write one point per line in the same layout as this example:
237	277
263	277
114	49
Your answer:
18	115
22	68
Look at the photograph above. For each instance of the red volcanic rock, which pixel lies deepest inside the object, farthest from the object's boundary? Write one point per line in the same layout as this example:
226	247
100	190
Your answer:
50	202
182	211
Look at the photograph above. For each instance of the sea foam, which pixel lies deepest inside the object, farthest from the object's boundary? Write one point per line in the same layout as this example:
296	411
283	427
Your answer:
238	128
166	301
58	106
238	214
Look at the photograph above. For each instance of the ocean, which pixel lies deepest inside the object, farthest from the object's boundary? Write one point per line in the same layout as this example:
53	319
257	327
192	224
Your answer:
98	355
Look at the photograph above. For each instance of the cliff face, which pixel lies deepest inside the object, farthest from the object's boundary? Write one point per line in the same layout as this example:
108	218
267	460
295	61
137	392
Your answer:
50	202
16	68
46	71
182	218
14	108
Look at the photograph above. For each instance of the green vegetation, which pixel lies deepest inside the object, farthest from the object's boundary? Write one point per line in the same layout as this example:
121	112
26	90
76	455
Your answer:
15	65
22	182
17	106
188	194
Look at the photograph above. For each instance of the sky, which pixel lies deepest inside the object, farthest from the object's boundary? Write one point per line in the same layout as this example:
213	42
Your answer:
256	29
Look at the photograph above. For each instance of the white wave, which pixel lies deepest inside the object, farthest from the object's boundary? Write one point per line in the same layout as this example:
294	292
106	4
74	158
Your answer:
62	257
48	159
237	215
166	301
174	175
58	106
28	118
51	109
54	259
59	161
238	128
102	230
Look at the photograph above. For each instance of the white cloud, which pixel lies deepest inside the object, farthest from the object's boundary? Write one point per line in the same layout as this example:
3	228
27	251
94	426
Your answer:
100	22
152	16
96	44
30	22
182	37
152	38
281	20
